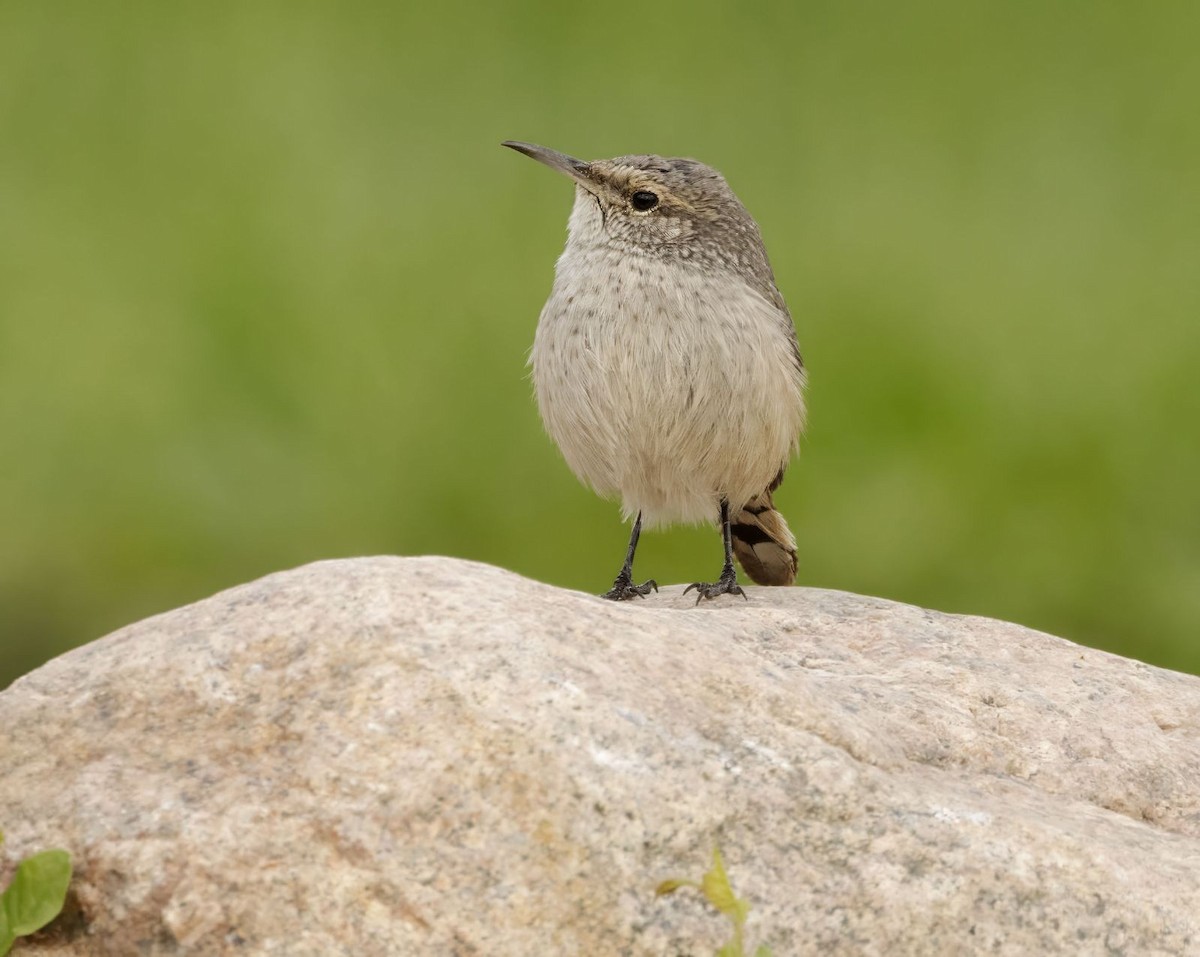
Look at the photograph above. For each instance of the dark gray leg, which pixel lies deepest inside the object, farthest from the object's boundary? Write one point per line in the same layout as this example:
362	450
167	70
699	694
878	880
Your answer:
623	587
727	583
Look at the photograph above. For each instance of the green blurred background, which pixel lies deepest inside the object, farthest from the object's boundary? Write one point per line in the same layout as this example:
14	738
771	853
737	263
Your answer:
268	281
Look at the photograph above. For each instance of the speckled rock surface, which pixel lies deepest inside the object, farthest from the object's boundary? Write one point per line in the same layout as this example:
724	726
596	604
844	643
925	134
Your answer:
428	756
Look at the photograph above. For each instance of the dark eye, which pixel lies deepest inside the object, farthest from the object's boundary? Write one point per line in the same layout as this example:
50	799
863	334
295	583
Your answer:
643	200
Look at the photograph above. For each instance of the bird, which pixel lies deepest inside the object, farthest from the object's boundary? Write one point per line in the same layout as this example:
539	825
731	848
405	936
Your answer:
665	362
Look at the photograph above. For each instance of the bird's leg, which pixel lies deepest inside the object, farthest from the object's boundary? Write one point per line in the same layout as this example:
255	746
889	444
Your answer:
727	583
623	587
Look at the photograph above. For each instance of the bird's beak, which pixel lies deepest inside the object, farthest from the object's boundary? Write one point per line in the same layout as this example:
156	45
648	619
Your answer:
577	169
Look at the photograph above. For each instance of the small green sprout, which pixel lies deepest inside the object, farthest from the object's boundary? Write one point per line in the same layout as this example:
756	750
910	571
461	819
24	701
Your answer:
715	887
35	896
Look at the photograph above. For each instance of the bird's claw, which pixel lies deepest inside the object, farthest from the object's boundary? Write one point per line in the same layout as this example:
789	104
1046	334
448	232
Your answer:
725	585
624	589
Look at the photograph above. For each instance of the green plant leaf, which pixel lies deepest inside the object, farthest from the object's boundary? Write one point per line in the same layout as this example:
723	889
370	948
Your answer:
36	893
6	935
672	884
716	889
715	885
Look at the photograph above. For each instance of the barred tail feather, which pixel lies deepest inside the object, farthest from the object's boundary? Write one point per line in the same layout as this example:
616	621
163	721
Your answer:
763	543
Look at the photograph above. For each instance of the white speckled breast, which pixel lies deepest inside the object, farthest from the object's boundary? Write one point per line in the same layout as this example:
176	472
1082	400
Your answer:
664	383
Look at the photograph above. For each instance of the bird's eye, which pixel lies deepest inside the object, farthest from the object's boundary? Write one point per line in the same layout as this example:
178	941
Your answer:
643	200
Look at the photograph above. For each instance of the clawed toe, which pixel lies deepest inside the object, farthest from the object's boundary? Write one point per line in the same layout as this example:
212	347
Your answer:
623	589
710	590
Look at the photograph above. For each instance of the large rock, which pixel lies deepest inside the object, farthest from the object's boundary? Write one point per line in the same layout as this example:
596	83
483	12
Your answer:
426	756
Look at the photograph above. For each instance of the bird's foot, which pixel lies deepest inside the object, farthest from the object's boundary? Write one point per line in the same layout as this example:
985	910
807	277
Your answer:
624	589
725	585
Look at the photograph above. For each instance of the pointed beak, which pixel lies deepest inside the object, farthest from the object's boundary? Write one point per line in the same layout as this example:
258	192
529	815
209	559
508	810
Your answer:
577	169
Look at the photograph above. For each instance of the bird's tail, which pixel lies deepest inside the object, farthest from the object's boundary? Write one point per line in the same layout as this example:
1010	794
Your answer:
763	543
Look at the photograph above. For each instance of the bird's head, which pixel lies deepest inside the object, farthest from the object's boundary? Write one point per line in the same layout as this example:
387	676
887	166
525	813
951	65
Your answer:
674	207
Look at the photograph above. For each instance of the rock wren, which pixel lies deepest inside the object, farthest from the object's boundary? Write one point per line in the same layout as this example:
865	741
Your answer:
665	361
